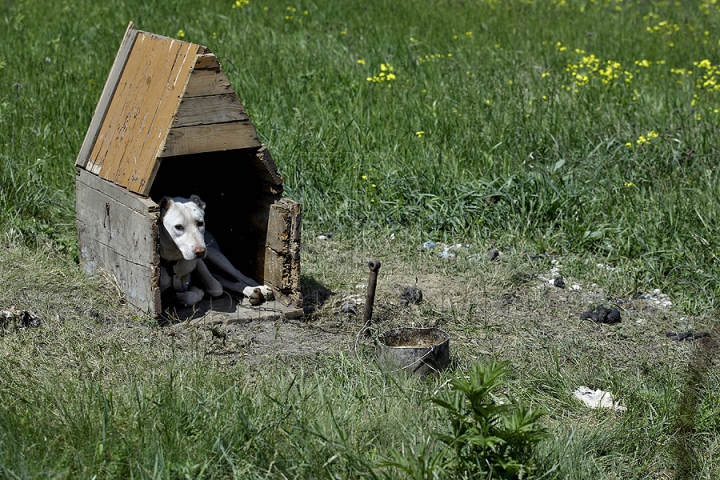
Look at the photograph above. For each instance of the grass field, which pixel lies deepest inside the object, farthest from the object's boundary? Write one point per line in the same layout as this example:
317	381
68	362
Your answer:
587	130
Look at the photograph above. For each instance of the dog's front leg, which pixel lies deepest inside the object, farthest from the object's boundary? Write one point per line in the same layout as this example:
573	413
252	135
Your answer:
246	290
165	279
190	297
212	286
222	264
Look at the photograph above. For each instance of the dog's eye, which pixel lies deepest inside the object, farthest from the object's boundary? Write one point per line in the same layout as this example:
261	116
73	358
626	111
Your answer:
200	224
179	227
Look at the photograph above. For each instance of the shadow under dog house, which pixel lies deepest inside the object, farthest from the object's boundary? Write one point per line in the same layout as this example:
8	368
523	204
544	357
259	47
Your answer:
169	123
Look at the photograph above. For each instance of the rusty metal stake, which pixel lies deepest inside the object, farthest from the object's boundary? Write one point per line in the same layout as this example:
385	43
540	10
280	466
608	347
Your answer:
374	266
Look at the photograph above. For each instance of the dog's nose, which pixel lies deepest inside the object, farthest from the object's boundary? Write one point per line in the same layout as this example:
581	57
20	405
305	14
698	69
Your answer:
199	252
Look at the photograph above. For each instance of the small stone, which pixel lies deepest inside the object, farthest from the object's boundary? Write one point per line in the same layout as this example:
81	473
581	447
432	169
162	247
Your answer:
348	308
493	254
559	282
410	295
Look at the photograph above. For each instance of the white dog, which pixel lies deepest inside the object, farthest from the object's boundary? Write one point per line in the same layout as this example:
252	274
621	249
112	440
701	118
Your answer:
184	250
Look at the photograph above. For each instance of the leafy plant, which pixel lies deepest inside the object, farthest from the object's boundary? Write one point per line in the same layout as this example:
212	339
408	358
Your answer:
487	439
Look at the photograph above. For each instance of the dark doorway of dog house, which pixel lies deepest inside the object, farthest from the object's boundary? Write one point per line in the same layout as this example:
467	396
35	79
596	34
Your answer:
241	212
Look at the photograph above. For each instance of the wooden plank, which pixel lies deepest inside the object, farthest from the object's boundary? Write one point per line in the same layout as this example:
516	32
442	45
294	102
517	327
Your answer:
119	238
131	200
282	256
138	281
107	94
207	82
268	172
141	110
206	61
161	106
210	138
210	110
128	232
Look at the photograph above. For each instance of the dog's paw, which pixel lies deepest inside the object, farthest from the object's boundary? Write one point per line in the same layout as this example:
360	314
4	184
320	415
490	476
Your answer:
190	297
215	290
259	294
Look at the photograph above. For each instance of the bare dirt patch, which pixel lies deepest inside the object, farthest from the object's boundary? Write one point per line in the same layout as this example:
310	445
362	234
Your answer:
506	307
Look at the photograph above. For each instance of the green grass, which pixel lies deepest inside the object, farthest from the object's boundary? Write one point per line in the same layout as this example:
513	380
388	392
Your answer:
529	142
513	146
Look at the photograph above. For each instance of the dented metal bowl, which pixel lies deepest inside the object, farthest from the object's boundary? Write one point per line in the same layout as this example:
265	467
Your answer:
420	351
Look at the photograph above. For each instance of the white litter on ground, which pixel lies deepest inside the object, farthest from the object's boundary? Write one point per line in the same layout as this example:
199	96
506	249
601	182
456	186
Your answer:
597	399
605	267
658	298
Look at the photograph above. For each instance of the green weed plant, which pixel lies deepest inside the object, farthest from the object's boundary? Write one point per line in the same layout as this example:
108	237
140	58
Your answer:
486	438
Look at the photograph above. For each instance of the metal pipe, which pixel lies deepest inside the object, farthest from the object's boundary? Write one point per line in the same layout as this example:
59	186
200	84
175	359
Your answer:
374	266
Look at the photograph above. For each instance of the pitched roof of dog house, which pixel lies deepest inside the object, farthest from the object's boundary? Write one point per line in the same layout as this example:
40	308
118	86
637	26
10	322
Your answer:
163	98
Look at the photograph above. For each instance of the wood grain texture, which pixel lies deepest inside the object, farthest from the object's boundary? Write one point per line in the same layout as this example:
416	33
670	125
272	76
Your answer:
113	223
210	138
282	256
107	94
268	172
207	82
210	109
142	110
120	239
206	61
131	200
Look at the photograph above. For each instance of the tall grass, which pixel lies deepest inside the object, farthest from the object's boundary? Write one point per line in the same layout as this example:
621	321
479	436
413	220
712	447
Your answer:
193	420
526	134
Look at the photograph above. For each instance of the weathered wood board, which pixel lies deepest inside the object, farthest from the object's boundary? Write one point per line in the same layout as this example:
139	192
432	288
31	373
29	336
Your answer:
210	109
282	258
107	94
117	231
207	82
225	310
210	138
137	119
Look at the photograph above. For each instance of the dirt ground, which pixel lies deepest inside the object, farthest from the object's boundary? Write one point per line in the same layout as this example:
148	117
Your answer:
508	307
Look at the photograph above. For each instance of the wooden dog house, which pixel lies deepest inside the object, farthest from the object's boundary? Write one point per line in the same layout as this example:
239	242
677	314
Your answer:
169	123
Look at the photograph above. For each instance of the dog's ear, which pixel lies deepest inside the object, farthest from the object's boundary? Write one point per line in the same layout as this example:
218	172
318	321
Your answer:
165	203
196	199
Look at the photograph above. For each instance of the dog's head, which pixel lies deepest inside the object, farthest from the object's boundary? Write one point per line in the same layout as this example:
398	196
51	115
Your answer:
182	225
